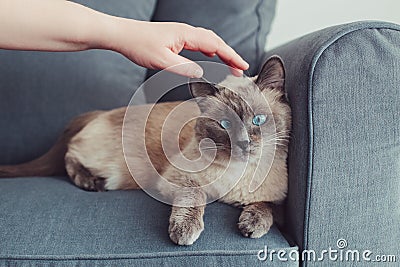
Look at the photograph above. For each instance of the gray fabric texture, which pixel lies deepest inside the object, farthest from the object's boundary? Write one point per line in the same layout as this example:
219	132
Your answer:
244	25
50	222
344	164
40	92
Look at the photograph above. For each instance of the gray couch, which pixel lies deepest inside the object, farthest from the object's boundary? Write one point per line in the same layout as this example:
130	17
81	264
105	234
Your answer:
344	164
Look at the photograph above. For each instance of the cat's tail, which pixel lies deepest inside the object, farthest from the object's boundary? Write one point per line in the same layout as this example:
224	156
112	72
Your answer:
51	163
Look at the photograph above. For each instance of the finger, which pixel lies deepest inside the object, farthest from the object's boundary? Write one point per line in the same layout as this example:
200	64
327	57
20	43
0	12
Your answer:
231	58
180	65
206	41
236	72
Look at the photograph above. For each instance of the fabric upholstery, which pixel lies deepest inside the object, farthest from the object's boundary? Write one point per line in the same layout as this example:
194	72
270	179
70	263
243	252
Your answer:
244	25
40	92
49	221
344	164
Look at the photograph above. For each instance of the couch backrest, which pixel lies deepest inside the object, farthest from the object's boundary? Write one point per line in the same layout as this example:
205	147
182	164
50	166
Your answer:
40	92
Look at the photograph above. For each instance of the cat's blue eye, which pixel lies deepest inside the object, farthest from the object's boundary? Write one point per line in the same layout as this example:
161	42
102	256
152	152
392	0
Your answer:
259	119
225	124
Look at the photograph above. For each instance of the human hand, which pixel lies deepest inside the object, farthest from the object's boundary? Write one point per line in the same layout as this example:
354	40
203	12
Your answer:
157	45
48	25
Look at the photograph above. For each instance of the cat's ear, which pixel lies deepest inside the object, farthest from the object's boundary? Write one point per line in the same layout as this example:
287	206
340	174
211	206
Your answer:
272	74
199	88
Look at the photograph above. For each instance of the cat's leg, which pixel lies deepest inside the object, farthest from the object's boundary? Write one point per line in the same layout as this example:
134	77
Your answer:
186	220
82	177
256	219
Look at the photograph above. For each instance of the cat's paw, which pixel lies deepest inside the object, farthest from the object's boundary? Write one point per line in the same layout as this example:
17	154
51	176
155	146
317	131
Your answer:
185	230
254	224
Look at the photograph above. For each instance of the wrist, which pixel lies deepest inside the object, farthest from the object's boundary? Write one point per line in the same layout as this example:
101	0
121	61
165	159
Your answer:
96	31
111	32
82	27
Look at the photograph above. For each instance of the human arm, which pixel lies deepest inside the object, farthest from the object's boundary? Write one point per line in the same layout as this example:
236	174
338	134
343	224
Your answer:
58	25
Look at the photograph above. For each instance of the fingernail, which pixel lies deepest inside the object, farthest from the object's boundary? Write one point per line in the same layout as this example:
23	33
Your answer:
245	64
237	72
196	72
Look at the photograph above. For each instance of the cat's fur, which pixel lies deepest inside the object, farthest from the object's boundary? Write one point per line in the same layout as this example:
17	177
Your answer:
91	152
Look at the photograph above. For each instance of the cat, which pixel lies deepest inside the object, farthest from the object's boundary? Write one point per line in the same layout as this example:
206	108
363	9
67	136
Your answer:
247	122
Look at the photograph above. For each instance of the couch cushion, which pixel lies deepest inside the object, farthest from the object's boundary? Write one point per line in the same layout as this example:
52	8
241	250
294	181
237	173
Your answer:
50	221
40	92
242	24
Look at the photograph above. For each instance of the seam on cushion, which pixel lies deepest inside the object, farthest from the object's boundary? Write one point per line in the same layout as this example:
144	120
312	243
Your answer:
258	30
351	28
139	255
271	5
155	7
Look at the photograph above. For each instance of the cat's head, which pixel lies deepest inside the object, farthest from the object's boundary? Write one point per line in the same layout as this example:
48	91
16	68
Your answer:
243	115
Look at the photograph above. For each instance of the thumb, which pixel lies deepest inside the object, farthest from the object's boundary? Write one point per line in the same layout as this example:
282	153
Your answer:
180	65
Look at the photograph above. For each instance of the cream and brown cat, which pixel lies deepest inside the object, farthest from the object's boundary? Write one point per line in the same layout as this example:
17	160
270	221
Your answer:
246	122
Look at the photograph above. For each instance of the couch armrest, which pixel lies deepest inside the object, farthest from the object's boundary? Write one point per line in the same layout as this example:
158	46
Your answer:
343	84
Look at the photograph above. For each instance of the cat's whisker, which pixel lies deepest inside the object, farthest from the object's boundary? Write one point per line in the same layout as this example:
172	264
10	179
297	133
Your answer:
279	134
217	144
212	148
284	132
281	145
272	143
276	139
279	137
276	144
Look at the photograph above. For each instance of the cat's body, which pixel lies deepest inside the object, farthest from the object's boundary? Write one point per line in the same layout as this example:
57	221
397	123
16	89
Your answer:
92	148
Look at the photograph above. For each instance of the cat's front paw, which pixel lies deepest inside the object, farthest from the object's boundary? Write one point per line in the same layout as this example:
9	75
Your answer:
185	230
254	224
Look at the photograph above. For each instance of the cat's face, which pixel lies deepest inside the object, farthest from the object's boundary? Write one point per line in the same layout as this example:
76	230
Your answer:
243	116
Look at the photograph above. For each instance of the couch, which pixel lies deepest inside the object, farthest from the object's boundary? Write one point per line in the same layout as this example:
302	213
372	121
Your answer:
344	161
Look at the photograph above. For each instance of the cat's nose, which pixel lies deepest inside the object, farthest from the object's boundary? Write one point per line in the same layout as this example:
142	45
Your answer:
244	144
